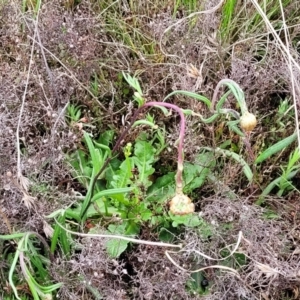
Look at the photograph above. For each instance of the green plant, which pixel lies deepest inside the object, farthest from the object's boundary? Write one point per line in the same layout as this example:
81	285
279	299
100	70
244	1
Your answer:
32	265
228	11
123	187
31	5
73	113
276	148
95	85
75	119
283	182
244	20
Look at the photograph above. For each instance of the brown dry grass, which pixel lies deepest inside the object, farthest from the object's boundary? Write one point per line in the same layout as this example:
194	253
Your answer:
86	39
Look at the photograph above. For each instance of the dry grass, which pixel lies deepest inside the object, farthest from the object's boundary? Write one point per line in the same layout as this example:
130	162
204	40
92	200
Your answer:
72	44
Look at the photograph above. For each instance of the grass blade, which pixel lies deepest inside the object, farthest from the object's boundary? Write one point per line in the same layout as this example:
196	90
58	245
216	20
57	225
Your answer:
276	148
190	94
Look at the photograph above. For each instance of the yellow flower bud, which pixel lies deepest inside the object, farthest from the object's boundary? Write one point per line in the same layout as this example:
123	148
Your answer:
248	121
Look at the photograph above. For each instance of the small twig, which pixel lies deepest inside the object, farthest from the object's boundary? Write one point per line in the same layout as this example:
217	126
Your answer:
119	237
201	269
240	236
19	170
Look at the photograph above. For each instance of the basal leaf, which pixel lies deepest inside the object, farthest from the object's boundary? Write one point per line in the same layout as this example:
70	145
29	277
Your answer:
195	174
116	247
111	170
187	220
122	177
106	137
162	189
143	159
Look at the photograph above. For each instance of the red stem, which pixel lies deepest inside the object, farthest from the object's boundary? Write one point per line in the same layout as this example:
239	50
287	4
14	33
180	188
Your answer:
178	177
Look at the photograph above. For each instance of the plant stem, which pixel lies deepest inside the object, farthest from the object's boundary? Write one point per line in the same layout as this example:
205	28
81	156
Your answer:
178	177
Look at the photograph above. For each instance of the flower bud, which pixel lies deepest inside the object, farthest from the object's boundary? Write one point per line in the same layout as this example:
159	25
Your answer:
248	121
181	205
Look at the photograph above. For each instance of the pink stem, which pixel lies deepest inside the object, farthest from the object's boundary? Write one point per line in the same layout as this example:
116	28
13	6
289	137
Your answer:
178	177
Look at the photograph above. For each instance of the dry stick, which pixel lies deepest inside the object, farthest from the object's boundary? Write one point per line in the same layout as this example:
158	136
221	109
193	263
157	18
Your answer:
19	170
201	269
120	237
240	236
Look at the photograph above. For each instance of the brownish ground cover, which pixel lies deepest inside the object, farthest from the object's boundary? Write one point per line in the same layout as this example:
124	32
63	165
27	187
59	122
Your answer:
75	52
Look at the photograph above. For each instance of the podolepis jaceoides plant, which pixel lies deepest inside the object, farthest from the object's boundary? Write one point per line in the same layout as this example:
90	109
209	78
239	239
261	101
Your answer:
180	203
115	189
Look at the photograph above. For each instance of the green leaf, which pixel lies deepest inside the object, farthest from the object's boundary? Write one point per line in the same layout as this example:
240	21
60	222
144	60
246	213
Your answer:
194	175
106	138
143	159
100	207
122	177
132	228
146	215
246	168
111	170
112	192
133	82
82	170
276	148
166	235
115	247
97	159
190	94
162	189
187	220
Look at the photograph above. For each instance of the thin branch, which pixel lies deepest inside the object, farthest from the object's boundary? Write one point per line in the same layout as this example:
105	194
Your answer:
72	76
19	169
240	236
119	237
